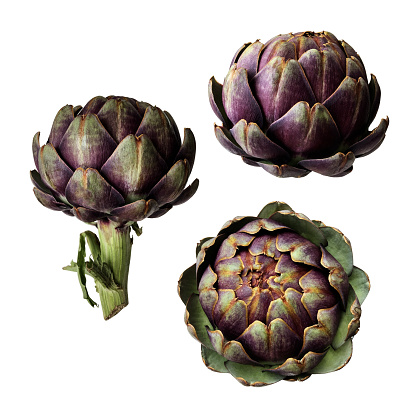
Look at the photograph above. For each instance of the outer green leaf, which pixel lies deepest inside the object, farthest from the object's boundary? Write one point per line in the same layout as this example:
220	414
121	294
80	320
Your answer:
359	281
339	247
251	375
81	267
187	283
302	225
334	359
213	360
93	244
349	320
197	320
273	207
100	271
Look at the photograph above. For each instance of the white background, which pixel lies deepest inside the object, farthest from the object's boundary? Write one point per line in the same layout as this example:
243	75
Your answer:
57	354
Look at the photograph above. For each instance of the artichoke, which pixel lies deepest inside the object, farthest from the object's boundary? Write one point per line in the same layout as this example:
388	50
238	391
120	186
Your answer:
298	103
112	163
274	297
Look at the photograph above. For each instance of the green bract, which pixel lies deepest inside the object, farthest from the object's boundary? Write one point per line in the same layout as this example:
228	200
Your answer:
274	297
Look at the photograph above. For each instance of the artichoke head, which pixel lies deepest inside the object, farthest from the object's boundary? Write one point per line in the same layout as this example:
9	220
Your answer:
116	158
274	297
298	103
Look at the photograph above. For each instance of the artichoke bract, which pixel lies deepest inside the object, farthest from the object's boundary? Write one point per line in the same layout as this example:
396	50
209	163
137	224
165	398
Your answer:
112	163
274	297
298	103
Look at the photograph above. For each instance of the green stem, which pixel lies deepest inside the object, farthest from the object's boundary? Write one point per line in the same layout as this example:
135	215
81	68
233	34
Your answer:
115	244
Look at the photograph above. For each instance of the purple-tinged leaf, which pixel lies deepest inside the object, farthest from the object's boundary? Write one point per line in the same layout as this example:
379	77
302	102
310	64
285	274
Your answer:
317	293
259	305
87	215
227	140
349	105
284	171
93	106
215	100
283	341
120	118
318	337
295	367
304	45
375	95
157	127
291	130
354	68
239	52
350	52
60	125
230	314
188	148
172	184
48	201
161	211
239	102
255	143
265	86
38	182
88	189
330	166
285	50
324	72
135	211
134	167
249	58
35	149
293	87
301	250
86	143
187	193
53	170
371	142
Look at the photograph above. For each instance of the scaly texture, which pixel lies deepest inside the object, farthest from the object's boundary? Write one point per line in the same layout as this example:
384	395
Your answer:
116	158
298	103
112	163
274	297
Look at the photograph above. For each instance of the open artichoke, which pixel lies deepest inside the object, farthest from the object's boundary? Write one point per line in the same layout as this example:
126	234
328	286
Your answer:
274	297
298	103
112	163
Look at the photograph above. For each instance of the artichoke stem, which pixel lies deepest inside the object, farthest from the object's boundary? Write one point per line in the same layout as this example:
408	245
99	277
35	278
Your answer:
115	248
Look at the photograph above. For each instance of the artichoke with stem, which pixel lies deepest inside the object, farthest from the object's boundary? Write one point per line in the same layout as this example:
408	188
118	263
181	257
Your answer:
274	297
112	163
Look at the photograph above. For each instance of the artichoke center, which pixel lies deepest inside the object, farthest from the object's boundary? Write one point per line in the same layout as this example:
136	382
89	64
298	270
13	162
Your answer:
258	275
258	280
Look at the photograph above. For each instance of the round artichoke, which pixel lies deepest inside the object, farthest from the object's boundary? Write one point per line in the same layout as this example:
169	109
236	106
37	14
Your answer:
274	297
112	163
116	158
296	104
